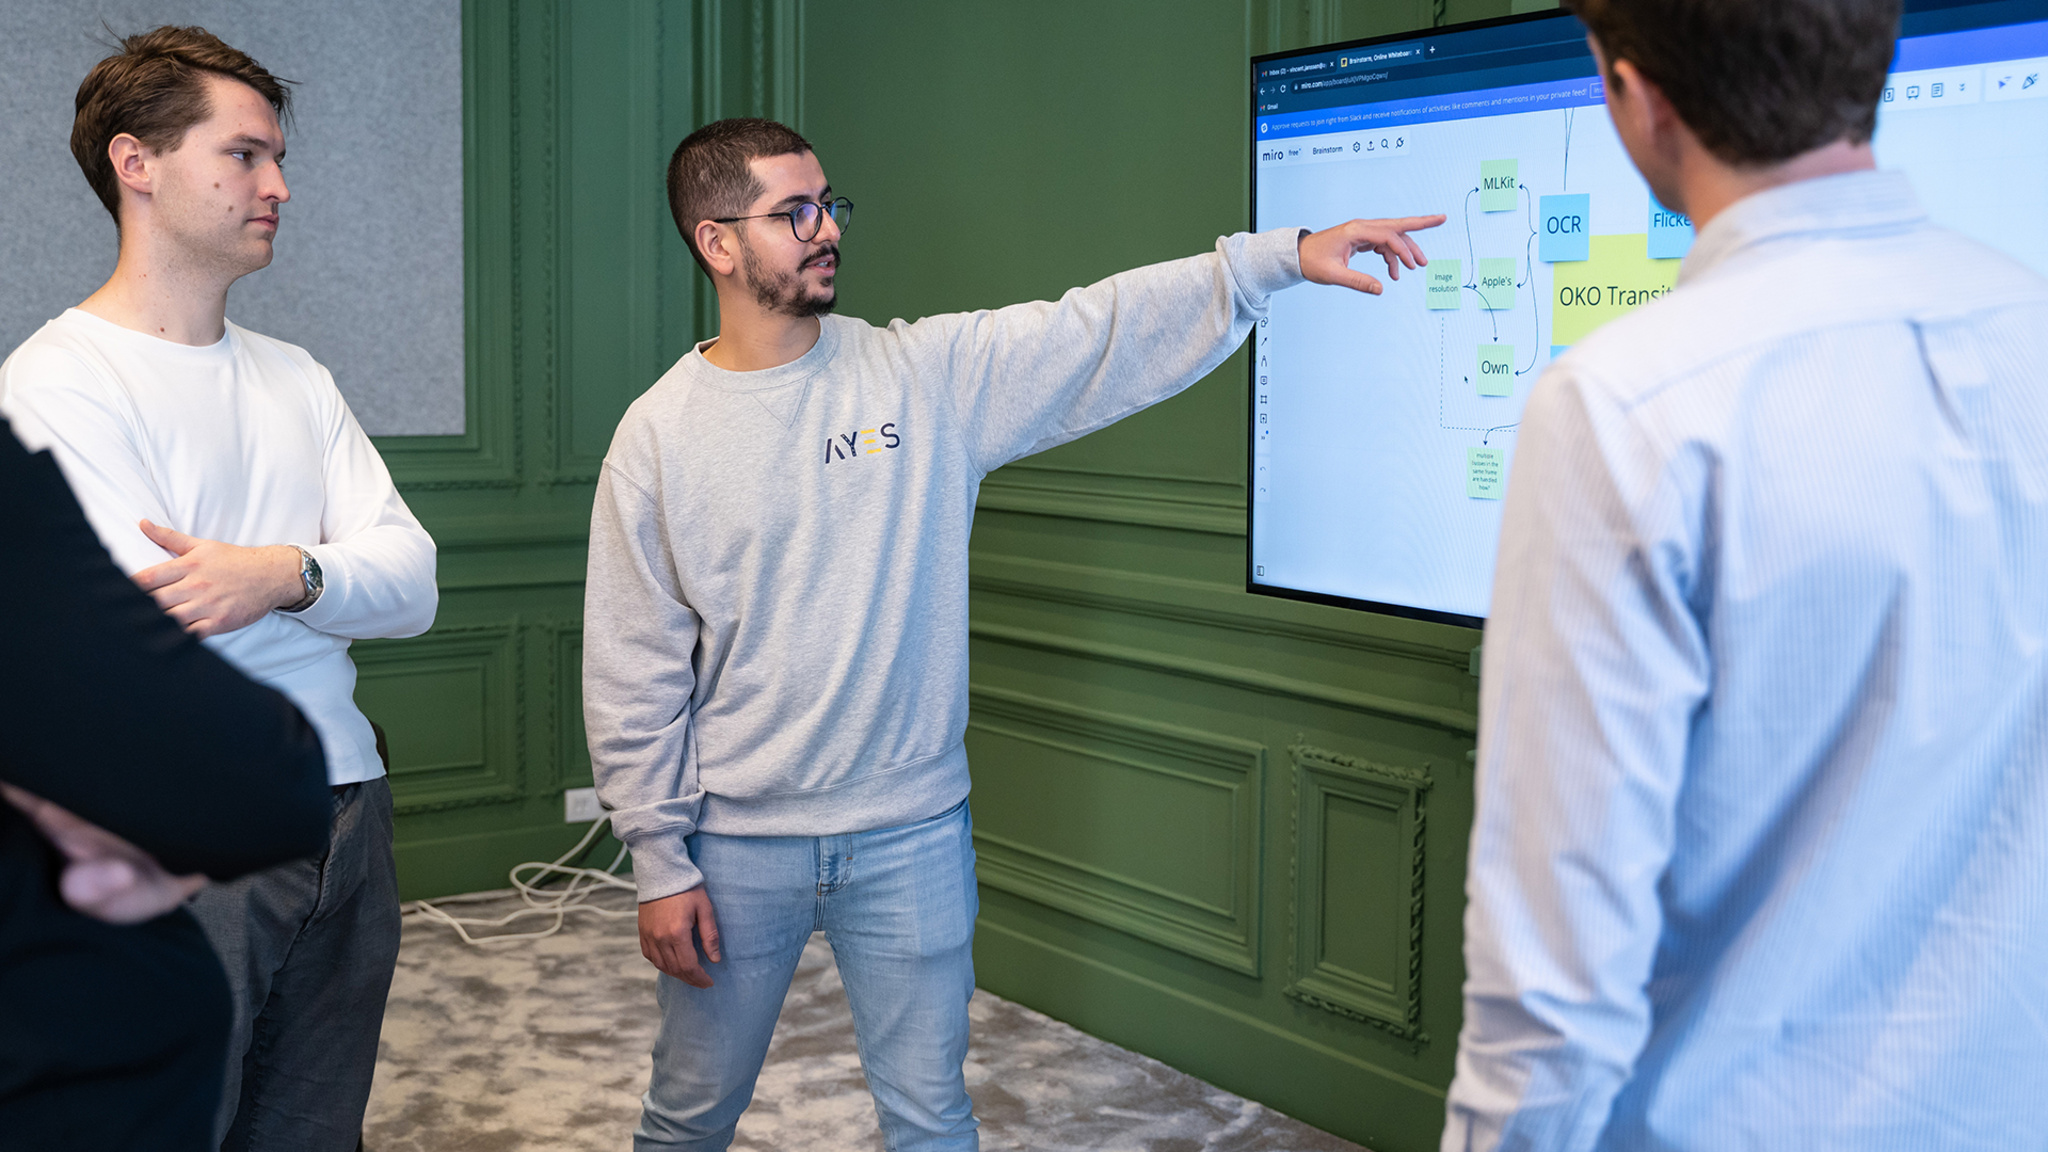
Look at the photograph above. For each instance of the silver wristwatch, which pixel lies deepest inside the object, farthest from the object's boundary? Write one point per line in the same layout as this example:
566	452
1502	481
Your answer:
309	572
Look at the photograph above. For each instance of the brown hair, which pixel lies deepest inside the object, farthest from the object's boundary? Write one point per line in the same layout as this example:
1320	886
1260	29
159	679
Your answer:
1758	81
154	89
708	176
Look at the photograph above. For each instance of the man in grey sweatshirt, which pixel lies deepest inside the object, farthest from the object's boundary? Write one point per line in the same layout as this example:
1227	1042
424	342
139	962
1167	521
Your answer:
775	660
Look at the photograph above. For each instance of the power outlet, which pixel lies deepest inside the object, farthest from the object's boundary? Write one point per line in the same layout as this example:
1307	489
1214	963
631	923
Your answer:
580	806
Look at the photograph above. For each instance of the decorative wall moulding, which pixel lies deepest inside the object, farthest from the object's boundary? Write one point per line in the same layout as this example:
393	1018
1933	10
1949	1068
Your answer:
1146	501
453	703
1211	605
1359	831
1229	674
1164	779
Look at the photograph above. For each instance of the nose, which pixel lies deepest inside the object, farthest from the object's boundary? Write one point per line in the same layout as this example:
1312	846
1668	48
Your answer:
274	188
828	226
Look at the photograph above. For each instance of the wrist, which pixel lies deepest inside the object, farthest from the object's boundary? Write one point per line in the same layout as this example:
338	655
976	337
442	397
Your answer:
286	588
301	582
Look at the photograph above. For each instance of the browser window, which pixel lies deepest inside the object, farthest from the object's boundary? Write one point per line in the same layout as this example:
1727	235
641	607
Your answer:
1383	429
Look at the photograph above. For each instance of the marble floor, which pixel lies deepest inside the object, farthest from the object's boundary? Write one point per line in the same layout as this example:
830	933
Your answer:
544	1045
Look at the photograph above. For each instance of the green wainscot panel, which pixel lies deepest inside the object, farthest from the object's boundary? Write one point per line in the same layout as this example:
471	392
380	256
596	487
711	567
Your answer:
449	705
1146	827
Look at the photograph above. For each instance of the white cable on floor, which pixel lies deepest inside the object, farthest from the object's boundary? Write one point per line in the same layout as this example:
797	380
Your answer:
583	883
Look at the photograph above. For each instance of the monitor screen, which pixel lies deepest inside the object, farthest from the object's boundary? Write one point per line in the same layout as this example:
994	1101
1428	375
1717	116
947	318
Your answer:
1383	428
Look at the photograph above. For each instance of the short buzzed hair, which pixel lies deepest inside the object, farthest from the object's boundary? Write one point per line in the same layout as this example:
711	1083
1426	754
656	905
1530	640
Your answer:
709	177
154	89
1758	81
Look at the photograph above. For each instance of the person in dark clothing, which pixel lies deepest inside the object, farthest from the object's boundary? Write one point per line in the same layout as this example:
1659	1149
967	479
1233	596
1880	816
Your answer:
134	761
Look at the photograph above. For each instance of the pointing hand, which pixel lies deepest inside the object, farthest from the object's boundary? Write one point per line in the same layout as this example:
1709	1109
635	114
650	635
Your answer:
1326	255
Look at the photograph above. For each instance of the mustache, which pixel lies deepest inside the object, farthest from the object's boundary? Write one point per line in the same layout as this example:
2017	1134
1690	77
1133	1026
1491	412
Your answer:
831	250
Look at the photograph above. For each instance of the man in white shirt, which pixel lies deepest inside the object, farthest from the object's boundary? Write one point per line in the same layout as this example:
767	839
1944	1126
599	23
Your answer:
1763	772
224	471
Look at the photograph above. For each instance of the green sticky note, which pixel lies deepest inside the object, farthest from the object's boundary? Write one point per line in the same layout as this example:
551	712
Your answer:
1496	370
1498	180
1446	289
1497	284
1486	473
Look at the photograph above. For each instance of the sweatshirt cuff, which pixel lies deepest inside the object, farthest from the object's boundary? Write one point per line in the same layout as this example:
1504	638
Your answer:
663	868
1263	263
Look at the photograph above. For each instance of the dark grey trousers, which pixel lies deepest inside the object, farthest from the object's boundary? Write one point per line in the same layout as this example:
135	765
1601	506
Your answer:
309	949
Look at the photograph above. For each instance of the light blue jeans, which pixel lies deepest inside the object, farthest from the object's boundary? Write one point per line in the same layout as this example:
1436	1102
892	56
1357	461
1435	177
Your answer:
898	907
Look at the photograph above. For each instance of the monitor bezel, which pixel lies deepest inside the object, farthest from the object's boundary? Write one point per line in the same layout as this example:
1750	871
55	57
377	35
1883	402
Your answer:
1251	582
1910	8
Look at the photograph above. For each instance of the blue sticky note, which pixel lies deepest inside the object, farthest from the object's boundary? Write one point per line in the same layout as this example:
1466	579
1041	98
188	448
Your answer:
1564	227
1557	350
1670	233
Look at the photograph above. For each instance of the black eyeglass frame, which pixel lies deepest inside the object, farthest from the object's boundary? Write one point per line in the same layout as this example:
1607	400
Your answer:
815	210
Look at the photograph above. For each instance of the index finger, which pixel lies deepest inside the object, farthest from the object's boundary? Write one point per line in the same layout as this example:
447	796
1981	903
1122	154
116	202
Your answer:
21	798
683	965
707	931
159	575
1417	223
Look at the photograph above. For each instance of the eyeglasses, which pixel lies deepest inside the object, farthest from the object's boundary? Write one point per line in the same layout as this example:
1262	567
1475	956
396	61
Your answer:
806	219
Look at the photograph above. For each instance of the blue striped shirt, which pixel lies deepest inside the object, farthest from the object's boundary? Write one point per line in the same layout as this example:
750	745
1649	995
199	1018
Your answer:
1761	853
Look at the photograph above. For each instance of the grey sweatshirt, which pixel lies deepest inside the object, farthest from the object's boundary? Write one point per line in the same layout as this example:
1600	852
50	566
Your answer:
775	624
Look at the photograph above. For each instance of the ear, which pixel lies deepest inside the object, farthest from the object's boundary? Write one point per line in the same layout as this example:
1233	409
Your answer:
1657	140
1652	109
712	244
131	163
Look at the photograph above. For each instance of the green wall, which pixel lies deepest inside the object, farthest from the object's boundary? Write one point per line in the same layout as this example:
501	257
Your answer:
1224	830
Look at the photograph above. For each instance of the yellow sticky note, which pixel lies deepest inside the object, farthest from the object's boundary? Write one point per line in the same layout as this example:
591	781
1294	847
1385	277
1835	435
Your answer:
1617	276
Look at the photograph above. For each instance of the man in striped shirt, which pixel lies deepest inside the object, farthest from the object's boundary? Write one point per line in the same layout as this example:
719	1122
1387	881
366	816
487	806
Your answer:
1761	855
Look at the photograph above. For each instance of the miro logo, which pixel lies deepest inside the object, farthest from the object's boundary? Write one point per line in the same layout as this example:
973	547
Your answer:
865	442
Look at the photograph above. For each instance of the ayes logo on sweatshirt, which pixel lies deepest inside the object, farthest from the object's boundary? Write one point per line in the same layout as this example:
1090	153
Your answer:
864	442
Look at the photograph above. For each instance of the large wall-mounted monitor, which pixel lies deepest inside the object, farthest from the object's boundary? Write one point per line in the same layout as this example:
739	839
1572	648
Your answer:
1383	428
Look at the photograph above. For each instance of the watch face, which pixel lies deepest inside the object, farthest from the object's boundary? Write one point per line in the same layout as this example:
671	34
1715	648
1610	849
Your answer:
309	574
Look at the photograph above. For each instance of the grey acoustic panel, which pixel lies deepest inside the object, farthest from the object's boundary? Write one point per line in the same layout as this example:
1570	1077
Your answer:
368	273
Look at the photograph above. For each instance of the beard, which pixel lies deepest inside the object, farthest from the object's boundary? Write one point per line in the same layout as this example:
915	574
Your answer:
783	291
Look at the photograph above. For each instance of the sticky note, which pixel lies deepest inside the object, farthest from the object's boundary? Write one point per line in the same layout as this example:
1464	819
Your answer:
1497	283
1486	473
1497	182
1446	284
1557	350
1616	276
1563	227
1670	233
1496	374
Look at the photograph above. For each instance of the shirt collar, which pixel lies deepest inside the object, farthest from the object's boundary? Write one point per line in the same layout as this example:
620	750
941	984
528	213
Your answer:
763	379
1825	205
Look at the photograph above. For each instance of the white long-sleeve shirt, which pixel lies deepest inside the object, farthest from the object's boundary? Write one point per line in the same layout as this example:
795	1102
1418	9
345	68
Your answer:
1761	854
246	441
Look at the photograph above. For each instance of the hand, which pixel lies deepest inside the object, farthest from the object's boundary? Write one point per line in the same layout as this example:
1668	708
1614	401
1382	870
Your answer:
213	588
1326	255
105	877
670	929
